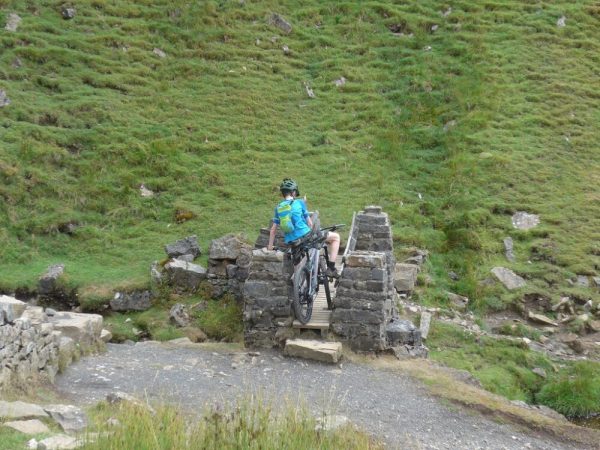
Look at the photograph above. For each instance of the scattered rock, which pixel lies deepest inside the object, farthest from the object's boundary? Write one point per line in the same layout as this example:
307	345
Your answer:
21	410
11	307
105	335
427	48
508	278
4	100
178	315
594	325
17	63
449	125
329	352
330	423
458	301
48	282
226	247
447	12
573	341
286	50
508	249
434	28
145	192
562	304
158	52
279	21
582	281
540	318
309	91
340	82
32	426
131	301
425	324
71	418
453	276
12	23
561	22
405	276
185	246
524	221
68	13
118	397
539	372
596	281
58	442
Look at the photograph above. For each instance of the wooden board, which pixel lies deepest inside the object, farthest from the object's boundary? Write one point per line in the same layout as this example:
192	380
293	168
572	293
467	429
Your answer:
321	316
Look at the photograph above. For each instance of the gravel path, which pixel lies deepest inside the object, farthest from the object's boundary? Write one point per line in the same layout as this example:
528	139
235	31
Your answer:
391	406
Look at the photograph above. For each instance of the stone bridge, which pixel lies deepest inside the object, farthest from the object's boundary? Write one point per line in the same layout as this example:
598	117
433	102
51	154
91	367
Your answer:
364	314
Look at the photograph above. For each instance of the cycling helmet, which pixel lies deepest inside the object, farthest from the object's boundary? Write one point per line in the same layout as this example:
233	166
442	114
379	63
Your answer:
289	186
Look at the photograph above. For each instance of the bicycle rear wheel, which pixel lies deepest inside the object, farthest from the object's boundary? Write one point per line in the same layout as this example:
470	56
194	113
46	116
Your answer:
302	303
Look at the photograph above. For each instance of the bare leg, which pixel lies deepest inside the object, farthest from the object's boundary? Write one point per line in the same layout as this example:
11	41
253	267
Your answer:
333	244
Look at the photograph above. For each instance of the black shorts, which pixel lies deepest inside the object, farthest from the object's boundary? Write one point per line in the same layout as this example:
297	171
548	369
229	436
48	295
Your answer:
306	237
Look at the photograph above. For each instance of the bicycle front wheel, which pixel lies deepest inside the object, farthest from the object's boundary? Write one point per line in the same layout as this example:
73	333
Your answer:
302	302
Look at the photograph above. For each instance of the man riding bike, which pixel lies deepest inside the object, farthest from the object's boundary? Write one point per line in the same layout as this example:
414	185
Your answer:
292	217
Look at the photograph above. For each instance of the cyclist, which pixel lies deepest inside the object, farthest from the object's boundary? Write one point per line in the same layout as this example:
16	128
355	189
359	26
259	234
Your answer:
292	217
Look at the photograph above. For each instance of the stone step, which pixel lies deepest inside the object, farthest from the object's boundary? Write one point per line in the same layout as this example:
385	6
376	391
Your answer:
329	352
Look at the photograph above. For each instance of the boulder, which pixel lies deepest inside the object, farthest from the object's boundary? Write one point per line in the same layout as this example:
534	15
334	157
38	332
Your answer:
226	247
35	314
12	308
131	301
508	278
71	418
458	301
524	221
105	335
158	52
185	246
179	316
365	259
278	21
21	410
329	352
508	249
405	277
33	426
12	22
58	442
84	329
4	100
425	324
48	282
185	275
582	281
68	13
540	318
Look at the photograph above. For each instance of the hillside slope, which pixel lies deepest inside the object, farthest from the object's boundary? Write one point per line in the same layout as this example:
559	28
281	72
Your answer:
453	116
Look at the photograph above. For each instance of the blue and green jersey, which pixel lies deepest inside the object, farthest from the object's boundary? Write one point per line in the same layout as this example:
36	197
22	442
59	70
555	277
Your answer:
296	212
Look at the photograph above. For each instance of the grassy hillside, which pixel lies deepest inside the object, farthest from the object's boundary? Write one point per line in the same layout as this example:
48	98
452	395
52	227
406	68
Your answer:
451	130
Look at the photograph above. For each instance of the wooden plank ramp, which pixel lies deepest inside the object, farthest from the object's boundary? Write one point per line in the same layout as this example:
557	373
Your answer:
321	316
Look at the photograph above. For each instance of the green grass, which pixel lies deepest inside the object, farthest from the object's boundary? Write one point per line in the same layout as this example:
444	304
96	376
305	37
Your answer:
213	127
222	320
249	424
505	367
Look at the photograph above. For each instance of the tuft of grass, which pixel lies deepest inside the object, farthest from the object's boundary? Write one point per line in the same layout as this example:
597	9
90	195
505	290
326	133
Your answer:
574	393
222	319
250	423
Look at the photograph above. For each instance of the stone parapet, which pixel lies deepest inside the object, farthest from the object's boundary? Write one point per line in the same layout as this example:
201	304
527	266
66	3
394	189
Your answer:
266	304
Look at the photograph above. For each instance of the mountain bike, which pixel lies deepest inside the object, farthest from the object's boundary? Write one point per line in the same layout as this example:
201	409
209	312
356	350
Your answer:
309	258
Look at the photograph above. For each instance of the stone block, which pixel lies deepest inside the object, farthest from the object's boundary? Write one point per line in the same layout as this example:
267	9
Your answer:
352	303
185	246
329	352
365	259
405	277
48	282
358	291
84	329
373	209
376	286
185	275
357	316
357	273
21	410
425	324
132	301
71	418
35	314
33	426
226	247
12	308
508	278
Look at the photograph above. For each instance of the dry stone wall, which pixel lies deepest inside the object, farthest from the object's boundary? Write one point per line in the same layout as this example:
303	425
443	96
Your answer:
33	345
